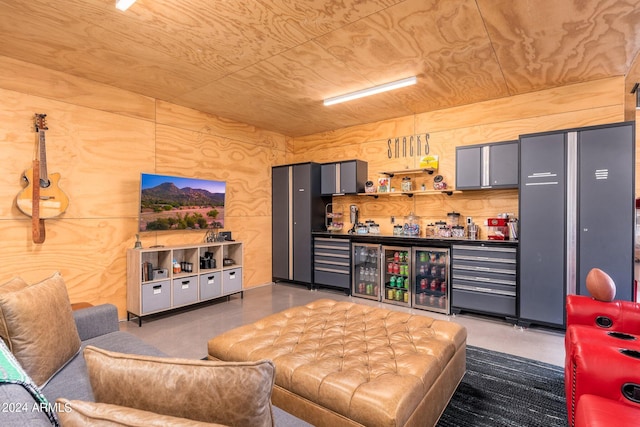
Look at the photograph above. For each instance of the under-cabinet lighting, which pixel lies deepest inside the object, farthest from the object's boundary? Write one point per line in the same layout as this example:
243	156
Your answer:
124	4
371	91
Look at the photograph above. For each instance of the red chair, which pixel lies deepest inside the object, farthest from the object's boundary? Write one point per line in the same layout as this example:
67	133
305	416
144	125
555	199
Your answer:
602	361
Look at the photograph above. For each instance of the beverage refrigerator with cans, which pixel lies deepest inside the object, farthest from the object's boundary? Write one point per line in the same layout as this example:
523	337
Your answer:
396	277
430	274
366	270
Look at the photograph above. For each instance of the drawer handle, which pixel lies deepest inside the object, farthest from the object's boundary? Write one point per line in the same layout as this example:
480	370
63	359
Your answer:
210	278
157	287
232	275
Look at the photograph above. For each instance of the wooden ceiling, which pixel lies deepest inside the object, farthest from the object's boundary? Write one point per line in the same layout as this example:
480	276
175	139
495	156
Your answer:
270	63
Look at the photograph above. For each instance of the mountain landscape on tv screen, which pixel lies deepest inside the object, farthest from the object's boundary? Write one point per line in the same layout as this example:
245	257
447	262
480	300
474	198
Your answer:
167	207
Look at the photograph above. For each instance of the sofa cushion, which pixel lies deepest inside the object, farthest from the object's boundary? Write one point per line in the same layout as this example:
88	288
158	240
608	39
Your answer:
11	286
40	330
76	413
72	382
230	393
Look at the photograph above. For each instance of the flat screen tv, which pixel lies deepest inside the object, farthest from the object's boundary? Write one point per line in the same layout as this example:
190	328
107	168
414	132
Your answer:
178	203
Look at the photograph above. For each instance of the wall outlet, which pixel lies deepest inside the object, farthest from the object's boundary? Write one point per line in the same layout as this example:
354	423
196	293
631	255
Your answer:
393	220
469	220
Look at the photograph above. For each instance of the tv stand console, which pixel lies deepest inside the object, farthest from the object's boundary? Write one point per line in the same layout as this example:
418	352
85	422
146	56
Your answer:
207	271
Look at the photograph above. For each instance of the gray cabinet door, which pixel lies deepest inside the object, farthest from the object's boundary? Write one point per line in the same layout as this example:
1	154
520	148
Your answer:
328	183
353	175
346	177
281	217
302	255
468	167
503	165
606	205
542	228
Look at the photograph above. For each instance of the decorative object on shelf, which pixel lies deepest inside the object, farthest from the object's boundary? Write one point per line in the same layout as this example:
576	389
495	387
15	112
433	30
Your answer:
438	183
369	187
406	184
384	185
214	235
429	162
138	244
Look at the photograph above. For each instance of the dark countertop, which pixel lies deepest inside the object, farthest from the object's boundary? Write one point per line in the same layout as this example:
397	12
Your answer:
412	241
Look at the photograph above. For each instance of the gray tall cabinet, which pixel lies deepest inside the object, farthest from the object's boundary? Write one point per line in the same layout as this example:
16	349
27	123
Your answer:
576	212
297	210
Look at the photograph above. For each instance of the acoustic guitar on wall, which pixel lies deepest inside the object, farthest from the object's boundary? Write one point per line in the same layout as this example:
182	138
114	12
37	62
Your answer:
42	199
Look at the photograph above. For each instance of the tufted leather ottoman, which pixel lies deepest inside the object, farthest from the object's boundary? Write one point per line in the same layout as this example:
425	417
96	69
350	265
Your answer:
346	364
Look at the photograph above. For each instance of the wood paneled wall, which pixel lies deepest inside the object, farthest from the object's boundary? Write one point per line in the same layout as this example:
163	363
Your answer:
100	139
503	119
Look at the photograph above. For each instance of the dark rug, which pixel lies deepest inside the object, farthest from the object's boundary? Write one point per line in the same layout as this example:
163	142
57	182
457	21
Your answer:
499	389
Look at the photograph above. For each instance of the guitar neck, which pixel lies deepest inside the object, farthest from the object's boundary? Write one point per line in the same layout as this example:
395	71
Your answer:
44	176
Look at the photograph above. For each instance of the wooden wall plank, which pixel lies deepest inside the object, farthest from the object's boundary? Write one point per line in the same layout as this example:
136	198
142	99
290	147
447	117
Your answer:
580	105
28	78
100	155
187	118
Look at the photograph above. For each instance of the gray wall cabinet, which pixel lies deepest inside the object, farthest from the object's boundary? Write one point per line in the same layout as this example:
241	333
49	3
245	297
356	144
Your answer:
577	201
346	177
487	166
297	210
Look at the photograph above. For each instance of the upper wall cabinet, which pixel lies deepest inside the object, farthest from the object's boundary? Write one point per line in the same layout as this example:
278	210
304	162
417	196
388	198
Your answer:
346	177
487	166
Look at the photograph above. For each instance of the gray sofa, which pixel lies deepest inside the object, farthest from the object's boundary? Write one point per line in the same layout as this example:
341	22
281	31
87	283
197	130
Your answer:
97	326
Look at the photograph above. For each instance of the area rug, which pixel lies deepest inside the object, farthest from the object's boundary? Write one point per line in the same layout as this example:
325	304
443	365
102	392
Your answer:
499	389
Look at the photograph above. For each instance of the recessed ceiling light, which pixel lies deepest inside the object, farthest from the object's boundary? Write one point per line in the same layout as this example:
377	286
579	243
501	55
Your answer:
124	4
371	91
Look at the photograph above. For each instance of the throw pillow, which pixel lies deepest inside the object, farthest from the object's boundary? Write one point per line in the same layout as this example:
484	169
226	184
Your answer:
229	393
40	330
12	285
77	413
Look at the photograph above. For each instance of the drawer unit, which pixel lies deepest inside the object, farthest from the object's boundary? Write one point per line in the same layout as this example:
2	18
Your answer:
232	281
332	262
154	284
156	296
210	285
484	279
185	290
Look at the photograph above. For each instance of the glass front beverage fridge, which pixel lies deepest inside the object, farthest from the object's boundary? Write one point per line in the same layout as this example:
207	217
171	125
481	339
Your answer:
366	271
431	279
397	275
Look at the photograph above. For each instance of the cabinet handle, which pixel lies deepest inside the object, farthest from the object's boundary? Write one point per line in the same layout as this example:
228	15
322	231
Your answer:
157	287
185	282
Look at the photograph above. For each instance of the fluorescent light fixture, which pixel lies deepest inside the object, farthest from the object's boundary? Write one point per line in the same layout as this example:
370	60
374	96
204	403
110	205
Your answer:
124	4
371	91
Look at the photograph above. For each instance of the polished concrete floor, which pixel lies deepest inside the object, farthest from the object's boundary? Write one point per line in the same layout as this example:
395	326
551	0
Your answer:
185	332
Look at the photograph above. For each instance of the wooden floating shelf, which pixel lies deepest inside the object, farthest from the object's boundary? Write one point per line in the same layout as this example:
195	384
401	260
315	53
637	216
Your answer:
412	193
390	174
